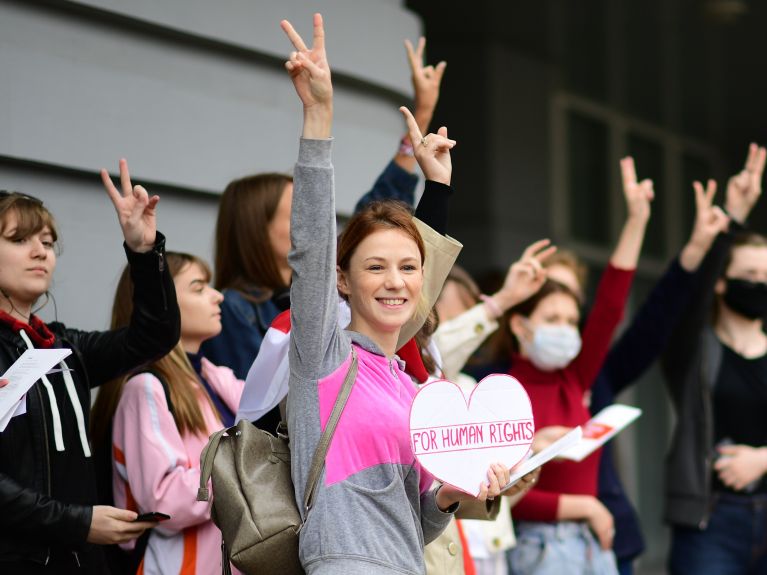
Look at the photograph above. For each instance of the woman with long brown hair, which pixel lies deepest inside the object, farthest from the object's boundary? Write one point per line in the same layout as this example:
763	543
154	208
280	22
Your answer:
156	422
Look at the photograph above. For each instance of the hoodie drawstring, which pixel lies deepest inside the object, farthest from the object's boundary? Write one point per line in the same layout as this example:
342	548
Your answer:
73	398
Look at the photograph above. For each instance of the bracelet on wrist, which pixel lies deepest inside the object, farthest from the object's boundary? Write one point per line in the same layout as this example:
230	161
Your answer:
405	147
492	305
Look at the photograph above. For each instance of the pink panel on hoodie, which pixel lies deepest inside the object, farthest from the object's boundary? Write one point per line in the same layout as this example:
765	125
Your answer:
374	428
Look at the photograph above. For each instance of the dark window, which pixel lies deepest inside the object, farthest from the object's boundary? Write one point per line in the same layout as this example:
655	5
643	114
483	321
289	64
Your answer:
648	156
588	179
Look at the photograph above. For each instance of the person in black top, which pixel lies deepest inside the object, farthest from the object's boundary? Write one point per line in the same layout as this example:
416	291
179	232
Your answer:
716	375
49	519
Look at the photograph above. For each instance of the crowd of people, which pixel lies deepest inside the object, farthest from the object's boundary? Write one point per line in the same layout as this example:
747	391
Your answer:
290	309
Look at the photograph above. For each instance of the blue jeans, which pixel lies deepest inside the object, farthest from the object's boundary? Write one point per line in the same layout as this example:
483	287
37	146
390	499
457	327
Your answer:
626	567
557	548
733	543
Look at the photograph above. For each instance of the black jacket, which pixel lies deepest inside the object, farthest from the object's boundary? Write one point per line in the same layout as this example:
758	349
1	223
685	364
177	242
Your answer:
691	365
46	496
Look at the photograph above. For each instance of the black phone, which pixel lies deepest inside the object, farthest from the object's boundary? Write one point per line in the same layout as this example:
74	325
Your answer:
153	516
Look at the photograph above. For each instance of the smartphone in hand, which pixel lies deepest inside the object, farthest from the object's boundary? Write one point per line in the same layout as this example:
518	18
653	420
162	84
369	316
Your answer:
152	516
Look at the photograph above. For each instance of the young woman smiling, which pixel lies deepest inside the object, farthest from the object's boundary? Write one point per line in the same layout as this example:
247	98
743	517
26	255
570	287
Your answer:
373	497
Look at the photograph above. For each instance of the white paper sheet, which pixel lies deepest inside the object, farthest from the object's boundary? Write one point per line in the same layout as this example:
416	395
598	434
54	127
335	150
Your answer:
602	428
22	375
568	441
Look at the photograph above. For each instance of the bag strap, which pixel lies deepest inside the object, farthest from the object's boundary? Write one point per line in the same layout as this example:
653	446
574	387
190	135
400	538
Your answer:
318	461
208	455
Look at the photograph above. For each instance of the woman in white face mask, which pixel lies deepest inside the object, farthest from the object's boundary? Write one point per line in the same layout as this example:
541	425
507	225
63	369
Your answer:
557	365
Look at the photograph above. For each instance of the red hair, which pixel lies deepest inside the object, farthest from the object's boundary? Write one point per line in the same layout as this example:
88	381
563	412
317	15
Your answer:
386	215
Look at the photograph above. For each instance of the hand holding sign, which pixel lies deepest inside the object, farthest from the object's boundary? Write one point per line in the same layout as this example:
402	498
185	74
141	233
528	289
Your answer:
458	439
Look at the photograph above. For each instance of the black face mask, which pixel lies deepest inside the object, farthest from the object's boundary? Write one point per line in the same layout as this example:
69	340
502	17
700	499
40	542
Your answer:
747	298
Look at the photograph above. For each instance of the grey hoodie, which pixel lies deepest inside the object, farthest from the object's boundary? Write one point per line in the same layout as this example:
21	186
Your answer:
374	509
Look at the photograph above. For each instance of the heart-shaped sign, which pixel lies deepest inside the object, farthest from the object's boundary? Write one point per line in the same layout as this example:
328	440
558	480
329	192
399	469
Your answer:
457	438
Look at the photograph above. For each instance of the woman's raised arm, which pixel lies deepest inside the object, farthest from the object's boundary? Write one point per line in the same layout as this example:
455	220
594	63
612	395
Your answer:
313	294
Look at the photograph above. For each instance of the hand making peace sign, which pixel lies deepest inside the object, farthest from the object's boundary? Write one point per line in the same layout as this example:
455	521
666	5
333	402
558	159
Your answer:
638	195
310	72
745	187
426	82
136	211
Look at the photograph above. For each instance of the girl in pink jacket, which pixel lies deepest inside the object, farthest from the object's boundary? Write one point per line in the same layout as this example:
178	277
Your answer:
161	419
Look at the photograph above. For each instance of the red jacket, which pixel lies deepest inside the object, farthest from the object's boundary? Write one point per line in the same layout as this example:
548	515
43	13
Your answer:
557	398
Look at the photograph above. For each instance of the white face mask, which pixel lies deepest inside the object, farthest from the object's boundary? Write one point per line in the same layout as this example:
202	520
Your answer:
553	346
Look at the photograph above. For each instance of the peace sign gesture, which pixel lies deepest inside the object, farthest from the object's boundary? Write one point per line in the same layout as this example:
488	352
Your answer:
432	152
710	220
638	195
135	210
426	83
744	188
525	276
309	68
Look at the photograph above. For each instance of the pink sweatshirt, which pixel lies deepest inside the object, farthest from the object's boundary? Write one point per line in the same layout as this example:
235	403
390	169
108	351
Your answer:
155	468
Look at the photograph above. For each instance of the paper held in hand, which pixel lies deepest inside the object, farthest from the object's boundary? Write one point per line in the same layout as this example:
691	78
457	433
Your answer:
25	371
602	428
568	441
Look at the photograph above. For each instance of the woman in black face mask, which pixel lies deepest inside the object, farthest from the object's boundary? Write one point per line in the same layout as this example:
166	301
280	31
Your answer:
716	476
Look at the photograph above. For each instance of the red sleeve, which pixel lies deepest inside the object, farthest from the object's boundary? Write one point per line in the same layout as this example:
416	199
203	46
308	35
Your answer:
604	318
537	505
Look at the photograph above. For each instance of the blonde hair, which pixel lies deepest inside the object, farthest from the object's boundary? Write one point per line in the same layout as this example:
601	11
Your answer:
568	259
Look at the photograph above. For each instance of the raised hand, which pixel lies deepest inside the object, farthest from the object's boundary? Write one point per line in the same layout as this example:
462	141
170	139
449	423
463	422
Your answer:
525	276
432	151
710	220
136	211
310	72
426	82
638	195
745	187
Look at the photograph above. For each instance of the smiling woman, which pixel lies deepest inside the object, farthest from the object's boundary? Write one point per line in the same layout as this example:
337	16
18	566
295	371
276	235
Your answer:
380	262
373	496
